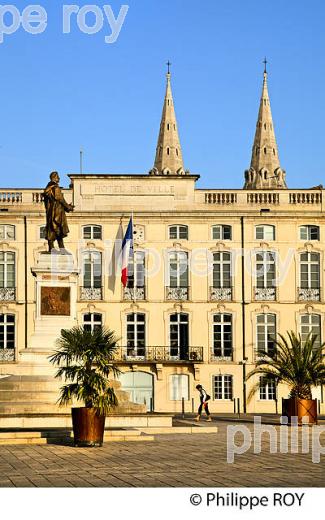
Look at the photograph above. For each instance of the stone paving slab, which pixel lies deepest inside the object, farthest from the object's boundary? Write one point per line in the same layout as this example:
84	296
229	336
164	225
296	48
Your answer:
171	461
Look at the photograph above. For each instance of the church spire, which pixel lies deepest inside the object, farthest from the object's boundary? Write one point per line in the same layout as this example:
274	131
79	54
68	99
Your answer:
169	159
265	171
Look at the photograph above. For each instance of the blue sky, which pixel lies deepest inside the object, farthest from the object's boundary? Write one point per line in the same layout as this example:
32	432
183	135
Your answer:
62	92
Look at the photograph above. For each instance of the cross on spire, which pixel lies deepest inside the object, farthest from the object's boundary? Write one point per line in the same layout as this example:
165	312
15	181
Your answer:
168	65
265	63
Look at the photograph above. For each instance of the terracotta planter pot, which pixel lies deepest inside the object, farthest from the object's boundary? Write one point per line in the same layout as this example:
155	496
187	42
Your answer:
88	427
301	408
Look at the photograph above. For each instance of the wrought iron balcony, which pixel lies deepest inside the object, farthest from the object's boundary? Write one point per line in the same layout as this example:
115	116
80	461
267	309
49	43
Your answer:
223	294
177	293
7	355
7	294
308	295
91	293
264	294
159	354
218	356
134	293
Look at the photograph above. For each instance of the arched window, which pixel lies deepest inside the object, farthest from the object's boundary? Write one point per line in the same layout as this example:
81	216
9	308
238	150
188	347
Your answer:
7	276
265	276
7	232
179	336
92	321
311	324
178	232
92	232
265	333
135	287
168	151
7	337
265	232
309	232
92	276
267	389
221	232
178	276
265	150
135	334
222	336
309	276
222	270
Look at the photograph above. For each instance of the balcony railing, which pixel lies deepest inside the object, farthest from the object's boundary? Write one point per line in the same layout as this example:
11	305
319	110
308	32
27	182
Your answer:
7	294
160	354
264	294
7	355
308	295
215	356
91	293
221	294
177	293
134	293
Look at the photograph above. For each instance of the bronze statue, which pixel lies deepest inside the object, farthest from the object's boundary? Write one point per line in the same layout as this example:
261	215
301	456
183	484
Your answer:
56	208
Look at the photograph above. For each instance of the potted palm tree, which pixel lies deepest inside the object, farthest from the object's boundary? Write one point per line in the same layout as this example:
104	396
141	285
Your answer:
298	364
85	359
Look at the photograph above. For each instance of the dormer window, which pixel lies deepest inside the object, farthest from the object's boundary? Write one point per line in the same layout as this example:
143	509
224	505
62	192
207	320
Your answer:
221	232
178	233
92	232
309	232
7	232
265	232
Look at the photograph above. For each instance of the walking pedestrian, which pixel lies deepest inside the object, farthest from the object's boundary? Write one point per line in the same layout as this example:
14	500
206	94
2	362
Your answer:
204	398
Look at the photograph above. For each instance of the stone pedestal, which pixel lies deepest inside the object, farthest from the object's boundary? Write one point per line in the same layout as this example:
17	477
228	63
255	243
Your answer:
56	296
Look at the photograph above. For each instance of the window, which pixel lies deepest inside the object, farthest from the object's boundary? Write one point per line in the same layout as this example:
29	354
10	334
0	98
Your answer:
265	270
222	270
92	321
266	332
223	387
309	271
265	232
221	232
178	387
92	232
7	331
309	232
178	269
178	232
136	270
7	232
7	270
222	335
92	265
311	323
42	232
136	334
179	335
267	389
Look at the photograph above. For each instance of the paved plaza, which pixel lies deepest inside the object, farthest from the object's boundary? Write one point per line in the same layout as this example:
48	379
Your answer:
196	460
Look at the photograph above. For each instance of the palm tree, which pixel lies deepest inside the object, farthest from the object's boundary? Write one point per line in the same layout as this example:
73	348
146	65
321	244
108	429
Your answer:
86	360
297	363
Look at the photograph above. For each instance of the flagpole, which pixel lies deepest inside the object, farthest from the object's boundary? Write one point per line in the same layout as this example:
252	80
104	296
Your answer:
134	272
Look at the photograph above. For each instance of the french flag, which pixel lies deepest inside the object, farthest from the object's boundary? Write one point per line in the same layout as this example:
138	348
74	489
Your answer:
127	250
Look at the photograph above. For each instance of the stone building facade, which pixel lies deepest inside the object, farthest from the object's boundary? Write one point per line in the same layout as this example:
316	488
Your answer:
215	275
